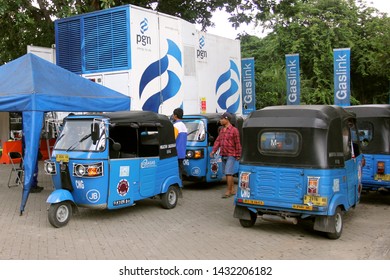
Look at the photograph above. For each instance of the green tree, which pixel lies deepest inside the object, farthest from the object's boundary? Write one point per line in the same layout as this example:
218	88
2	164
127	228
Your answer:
313	28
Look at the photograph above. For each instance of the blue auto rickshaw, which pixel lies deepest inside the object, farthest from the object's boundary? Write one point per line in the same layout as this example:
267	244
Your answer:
299	162
111	161
202	131
373	123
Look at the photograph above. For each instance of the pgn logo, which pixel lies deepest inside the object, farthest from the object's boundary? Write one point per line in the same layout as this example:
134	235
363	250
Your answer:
142	38
93	196
201	53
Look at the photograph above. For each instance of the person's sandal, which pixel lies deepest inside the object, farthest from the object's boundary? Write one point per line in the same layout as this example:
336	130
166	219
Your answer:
226	196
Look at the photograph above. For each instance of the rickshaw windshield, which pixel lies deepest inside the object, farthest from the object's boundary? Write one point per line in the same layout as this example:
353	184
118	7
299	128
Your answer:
76	136
196	130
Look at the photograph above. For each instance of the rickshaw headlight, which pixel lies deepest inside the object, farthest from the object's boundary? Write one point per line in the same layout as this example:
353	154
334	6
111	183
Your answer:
50	167
88	170
190	154
196	154
79	170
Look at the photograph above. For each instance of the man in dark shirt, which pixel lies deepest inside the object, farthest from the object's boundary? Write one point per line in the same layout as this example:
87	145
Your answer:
228	141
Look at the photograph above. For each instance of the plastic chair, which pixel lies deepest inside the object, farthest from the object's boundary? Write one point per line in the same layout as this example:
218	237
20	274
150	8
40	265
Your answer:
16	175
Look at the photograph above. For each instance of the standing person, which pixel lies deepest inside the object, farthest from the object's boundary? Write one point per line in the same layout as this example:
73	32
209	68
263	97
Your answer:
229	143
181	138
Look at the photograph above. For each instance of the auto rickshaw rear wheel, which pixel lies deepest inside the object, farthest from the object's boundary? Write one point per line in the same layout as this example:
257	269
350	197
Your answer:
169	199
251	222
338	224
60	214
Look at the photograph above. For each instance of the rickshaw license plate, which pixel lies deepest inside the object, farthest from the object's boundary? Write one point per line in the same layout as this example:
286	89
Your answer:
316	200
385	177
302	207
63	158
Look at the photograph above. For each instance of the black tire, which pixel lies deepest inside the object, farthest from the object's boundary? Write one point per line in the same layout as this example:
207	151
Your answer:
338	224
169	199
251	222
60	214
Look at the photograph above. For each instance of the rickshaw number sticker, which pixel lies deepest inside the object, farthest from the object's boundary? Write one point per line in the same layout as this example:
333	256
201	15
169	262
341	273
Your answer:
93	196
124	171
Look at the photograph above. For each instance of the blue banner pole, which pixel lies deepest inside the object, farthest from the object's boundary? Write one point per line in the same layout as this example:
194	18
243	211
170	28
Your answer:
293	79
342	77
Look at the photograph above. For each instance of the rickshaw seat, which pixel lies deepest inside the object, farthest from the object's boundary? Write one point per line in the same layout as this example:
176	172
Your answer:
16	175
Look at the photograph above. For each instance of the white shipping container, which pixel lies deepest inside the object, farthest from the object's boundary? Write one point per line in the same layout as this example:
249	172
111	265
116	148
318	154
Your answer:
160	61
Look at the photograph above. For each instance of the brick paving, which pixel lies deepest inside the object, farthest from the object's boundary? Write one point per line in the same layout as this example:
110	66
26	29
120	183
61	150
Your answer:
201	227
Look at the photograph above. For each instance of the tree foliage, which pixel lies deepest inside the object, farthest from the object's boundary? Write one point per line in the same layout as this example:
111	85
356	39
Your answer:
313	28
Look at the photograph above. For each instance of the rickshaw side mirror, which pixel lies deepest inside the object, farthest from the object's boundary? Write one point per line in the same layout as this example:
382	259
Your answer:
116	146
95	132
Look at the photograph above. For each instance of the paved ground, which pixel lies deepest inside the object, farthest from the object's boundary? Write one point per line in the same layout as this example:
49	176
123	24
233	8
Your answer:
201	227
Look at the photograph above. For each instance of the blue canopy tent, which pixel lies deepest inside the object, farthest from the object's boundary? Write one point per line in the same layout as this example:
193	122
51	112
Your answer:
33	86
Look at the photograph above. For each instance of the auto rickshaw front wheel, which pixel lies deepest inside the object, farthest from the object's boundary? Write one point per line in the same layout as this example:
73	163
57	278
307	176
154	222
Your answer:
60	214
169	199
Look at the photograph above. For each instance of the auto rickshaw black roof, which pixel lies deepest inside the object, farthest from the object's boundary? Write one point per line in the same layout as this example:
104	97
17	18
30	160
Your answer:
370	110
314	116
145	118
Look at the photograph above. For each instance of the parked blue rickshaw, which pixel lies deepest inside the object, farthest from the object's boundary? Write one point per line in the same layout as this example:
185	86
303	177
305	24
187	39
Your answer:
111	161
373	123
202	131
299	162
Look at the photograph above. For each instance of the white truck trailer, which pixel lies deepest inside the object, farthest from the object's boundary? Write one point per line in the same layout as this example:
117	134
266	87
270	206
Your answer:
160	61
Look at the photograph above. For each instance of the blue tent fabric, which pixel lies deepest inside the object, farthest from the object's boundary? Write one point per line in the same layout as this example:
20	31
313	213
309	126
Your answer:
33	86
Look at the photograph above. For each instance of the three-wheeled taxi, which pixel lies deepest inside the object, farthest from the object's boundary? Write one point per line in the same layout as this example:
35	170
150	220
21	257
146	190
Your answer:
299	161
110	161
202	131
373	123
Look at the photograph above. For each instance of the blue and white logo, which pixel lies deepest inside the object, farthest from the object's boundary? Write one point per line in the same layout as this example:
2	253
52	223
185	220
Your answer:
144	25
168	65
201	53
227	90
93	196
202	42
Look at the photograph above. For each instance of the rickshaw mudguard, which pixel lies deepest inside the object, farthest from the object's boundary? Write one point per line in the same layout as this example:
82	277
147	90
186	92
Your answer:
172	180
60	195
337	200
